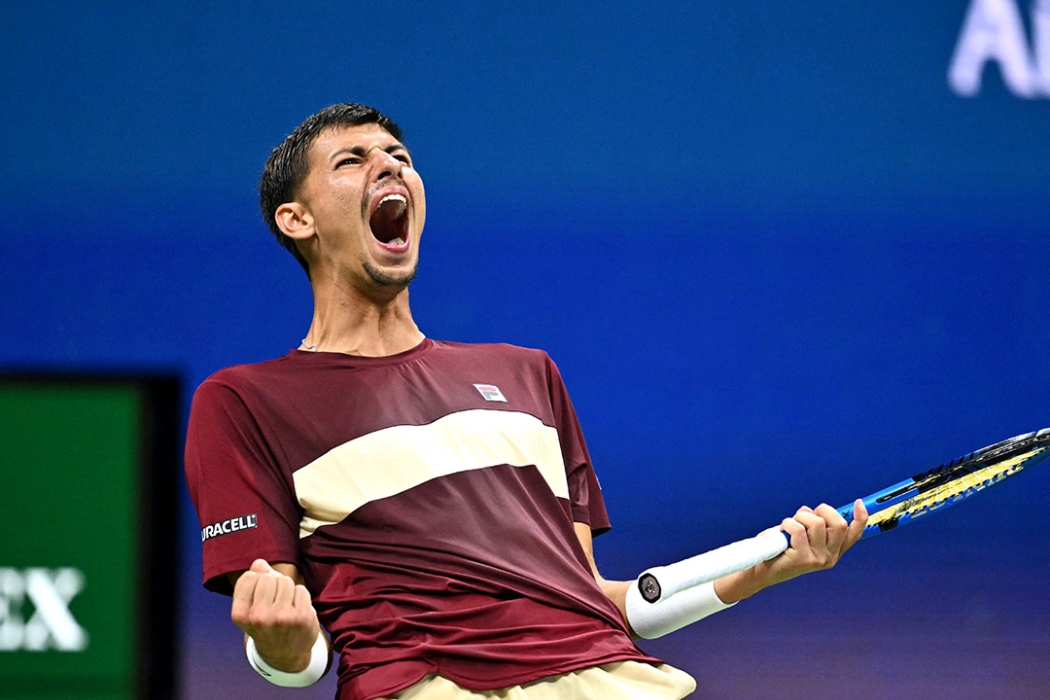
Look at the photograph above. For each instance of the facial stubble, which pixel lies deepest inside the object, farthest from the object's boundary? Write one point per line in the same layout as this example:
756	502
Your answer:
386	279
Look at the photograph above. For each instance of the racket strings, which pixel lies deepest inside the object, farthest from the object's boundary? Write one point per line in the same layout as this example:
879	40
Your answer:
974	461
956	486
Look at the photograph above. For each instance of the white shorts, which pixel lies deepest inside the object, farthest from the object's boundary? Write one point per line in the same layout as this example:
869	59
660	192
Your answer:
624	680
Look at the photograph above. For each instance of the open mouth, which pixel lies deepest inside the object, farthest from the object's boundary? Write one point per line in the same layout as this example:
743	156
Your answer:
389	221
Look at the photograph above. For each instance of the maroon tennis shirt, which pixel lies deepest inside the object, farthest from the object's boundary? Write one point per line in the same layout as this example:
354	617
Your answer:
428	498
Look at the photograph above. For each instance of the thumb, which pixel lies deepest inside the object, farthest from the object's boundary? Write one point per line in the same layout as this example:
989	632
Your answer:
263	568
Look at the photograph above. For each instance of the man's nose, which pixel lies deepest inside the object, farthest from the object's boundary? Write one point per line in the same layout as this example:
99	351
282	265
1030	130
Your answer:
388	165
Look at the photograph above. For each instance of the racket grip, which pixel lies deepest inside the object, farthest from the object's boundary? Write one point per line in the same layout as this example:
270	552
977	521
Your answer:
664	581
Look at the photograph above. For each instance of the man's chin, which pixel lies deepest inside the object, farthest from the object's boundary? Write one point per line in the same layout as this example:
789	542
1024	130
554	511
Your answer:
391	279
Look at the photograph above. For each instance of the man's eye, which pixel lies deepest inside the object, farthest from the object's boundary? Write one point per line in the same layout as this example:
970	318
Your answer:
352	160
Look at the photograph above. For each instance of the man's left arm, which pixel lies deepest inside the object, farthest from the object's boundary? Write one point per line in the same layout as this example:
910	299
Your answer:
819	538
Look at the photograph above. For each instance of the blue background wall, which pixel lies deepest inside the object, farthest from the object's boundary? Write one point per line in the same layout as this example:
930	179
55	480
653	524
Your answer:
778	260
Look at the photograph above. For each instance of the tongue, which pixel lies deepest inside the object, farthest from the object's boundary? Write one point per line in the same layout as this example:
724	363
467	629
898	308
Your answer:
386	221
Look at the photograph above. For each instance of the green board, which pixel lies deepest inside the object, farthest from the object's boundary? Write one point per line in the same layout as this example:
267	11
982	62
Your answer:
79	462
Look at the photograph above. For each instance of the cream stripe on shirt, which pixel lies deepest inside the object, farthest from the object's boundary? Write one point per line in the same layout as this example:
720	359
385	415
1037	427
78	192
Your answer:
396	459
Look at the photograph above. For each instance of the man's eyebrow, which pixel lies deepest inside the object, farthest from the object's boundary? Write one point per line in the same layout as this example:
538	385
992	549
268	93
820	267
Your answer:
362	151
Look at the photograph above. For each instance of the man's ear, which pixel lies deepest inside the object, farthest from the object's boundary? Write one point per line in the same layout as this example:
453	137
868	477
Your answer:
294	220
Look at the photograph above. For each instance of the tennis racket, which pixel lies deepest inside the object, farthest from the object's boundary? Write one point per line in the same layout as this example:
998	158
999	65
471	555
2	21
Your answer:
888	509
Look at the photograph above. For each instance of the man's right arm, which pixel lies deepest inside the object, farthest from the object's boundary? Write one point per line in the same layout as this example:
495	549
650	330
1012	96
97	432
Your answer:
272	606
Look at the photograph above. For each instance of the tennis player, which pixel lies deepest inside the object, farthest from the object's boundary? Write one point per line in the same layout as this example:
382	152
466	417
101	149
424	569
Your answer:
427	506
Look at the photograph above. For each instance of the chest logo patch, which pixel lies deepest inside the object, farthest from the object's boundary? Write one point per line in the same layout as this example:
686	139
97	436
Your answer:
490	392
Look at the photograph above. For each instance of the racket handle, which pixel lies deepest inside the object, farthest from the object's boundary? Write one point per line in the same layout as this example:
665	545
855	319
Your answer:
664	581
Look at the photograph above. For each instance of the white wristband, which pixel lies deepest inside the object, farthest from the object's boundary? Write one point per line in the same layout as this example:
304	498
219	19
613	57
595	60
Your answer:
319	658
652	620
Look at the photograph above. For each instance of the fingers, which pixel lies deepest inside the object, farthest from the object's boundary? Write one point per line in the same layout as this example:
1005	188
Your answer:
820	536
273	590
254	584
265	599
837	529
243	596
302	598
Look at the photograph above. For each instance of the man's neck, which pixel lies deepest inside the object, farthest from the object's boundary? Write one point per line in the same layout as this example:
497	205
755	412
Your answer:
356	324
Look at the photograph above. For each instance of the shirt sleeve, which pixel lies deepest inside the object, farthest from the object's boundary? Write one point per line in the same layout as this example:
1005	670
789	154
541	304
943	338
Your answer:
585	492
245	504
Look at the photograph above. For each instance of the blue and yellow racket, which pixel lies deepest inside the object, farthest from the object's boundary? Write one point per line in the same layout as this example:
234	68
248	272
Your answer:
888	509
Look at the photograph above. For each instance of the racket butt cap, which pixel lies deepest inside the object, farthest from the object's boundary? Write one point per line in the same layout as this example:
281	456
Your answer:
649	587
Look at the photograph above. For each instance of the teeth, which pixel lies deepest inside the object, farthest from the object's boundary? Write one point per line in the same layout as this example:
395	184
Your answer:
393	198
397	242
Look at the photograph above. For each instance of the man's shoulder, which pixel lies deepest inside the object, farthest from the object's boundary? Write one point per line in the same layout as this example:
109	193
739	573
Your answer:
243	377
250	370
505	351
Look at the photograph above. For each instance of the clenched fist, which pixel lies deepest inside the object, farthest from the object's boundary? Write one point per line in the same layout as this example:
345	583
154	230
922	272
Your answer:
276	610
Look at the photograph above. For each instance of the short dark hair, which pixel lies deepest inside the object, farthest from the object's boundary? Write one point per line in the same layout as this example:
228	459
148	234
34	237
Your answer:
288	164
